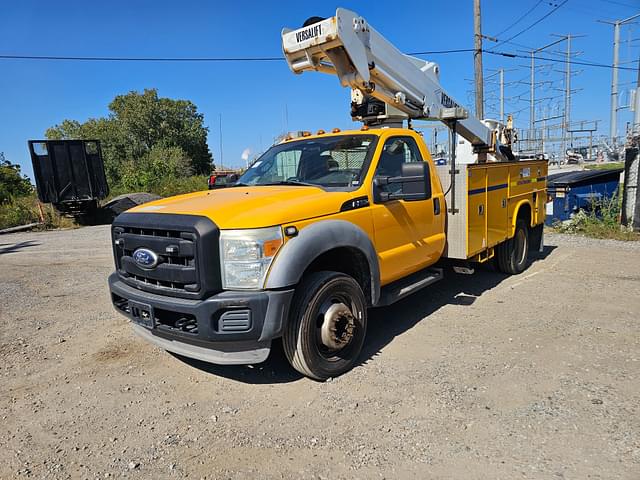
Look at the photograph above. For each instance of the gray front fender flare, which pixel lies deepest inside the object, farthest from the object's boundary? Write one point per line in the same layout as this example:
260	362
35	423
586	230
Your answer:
316	239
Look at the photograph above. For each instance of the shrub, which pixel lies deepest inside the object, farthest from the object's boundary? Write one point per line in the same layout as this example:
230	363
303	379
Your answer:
154	168
13	183
24	210
601	221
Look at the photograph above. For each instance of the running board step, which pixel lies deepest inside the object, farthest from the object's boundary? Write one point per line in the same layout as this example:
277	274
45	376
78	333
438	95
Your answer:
406	286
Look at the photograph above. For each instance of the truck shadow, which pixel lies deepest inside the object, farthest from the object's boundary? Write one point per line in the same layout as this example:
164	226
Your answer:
384	325
16	247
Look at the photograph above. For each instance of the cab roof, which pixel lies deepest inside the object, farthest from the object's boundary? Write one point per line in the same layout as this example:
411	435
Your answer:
369	131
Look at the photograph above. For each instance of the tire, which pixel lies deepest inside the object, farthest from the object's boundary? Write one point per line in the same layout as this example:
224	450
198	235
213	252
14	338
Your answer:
513	255
326	299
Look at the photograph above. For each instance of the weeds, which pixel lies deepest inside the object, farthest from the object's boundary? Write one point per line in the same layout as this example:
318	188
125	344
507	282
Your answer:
601	221
24	210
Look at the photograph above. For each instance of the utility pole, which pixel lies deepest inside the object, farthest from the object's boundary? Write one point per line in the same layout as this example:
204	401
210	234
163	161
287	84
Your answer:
613	122
544	127
614	84
567	100
566	118
636	115
477	59
532	100
631	188
532	93
502	95
500	73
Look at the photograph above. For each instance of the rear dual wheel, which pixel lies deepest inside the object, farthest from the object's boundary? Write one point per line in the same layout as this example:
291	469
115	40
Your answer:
512	256
327	325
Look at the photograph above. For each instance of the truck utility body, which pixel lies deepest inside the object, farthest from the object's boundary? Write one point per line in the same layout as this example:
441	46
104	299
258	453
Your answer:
489	197
324	226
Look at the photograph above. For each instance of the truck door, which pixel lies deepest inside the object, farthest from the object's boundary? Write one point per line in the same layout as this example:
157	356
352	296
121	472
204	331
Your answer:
407	235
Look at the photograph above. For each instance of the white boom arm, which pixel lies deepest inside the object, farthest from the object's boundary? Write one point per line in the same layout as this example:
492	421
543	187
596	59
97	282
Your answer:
346	46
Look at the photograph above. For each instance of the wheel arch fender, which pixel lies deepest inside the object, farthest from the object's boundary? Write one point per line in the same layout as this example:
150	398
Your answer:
522	204
314	240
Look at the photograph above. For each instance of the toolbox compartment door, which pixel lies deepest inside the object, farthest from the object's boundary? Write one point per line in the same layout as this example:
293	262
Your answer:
497	211
477	210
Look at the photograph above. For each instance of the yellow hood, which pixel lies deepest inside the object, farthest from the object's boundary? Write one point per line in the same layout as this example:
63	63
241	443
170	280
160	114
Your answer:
252	207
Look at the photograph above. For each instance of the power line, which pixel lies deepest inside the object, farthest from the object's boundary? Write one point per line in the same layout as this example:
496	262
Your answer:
275	59
184	59
558	60
585	61
140	59
459	50
524	15
619	3
536	22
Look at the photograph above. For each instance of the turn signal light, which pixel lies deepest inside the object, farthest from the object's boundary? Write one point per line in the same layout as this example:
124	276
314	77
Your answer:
335	130
270	247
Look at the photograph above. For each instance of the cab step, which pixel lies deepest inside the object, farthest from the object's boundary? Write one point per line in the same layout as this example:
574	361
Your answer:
406	286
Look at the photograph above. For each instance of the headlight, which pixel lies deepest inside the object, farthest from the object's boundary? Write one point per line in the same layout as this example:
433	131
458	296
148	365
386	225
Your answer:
245	256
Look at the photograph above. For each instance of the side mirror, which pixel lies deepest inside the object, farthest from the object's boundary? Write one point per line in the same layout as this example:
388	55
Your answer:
415	184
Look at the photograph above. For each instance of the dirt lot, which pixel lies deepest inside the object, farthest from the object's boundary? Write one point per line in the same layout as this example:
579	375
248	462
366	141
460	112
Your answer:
483	376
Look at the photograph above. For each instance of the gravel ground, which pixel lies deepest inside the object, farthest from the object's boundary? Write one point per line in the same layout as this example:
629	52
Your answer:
483	376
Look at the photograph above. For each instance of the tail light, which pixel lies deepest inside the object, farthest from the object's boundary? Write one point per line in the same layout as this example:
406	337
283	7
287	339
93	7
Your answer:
212	180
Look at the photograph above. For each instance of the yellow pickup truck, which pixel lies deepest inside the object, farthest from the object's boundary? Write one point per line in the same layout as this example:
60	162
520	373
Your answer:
318	230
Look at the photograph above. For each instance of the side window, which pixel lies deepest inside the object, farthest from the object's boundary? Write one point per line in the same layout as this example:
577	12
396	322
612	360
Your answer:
396	151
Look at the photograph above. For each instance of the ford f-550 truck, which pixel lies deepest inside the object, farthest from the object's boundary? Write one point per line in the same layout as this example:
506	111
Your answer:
324	226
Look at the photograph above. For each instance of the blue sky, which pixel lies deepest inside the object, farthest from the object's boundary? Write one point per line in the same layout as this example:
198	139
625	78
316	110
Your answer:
252	97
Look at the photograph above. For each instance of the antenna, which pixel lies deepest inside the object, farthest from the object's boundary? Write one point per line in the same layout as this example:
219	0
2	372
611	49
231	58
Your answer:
221	155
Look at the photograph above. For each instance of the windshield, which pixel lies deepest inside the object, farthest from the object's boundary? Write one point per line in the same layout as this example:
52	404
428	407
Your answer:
335	161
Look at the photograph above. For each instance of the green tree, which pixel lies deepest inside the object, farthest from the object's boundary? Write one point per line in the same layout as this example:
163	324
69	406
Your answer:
137	124
13	183
159	163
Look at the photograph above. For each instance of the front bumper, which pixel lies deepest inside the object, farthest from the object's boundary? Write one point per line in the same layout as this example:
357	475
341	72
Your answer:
231	327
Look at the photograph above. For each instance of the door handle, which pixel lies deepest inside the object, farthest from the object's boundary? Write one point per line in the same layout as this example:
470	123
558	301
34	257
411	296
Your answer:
436	206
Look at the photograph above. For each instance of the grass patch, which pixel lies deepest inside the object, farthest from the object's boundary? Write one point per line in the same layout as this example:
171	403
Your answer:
602	221
24	210
604	166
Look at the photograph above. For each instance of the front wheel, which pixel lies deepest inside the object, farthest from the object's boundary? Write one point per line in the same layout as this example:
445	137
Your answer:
513	254
327	325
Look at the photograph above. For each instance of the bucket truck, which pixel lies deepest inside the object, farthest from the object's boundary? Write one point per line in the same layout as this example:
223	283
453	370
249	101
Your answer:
324	226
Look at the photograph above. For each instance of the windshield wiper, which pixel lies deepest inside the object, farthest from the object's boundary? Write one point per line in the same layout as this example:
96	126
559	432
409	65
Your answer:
292	182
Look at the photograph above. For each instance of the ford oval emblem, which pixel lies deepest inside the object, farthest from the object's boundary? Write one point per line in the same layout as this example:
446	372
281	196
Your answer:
145	258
